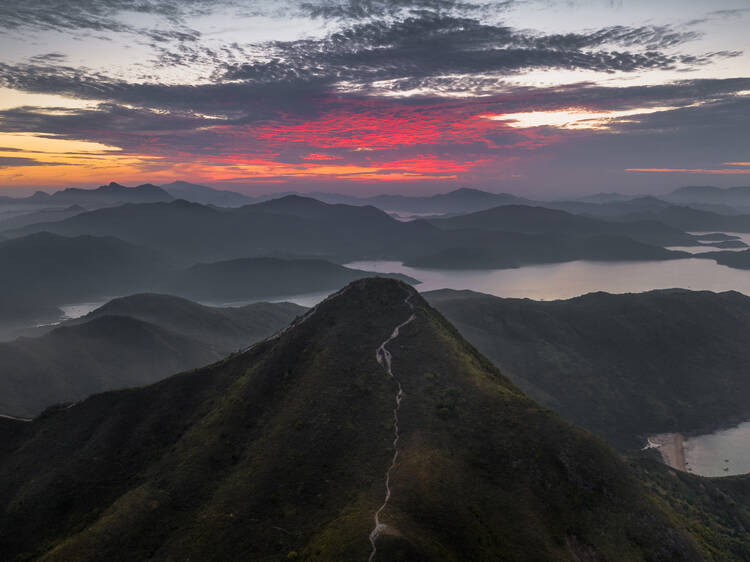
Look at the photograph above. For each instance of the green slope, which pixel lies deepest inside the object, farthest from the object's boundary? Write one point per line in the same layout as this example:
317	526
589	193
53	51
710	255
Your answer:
282	453
624	366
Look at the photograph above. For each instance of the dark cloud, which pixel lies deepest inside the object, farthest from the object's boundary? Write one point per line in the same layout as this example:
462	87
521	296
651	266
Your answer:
12	162
363	9
417	50
98	15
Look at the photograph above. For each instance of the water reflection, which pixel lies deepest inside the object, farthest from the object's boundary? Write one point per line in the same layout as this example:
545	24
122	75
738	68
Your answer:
571	279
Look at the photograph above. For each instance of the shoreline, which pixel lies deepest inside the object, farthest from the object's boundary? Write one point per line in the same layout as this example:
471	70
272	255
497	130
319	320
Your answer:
671	447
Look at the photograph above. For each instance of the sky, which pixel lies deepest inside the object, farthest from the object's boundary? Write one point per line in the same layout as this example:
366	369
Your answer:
539	98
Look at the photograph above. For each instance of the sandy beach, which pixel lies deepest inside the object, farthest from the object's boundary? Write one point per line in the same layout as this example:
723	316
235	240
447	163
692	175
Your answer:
671	446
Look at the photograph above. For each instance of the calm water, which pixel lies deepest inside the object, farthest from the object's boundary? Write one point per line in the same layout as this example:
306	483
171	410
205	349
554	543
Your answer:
540	282
709	455
571	279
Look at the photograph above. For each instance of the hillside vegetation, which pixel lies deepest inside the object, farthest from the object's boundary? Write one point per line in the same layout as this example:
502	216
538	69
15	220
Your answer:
282	452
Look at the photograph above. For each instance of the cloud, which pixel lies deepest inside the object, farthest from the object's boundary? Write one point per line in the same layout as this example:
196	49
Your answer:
98	15
13	161
364	9
417	49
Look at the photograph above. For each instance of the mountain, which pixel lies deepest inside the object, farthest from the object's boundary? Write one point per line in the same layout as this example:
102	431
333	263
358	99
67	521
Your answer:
42	271
603	197
693	218
223	328
264	278
732	196
287	450
540	220
511	250
103	196
735	259
18	313
128	342
300	227
623	366
44	215
58	269
689	219
291	225
206	195
462	200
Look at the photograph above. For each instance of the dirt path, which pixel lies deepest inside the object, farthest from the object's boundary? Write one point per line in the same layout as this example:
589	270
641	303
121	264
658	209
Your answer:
384	358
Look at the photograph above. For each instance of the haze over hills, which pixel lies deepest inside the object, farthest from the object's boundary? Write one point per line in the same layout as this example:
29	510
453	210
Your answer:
539	220
130	341
55	269
223	328
624	366
511	250
206	195
35	217
285	449
303	227
737	260
45	271
290	225
706	194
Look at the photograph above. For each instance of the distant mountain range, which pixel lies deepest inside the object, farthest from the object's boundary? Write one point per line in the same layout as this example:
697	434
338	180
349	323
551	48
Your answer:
304	227
129	341
284	451
707	194
292	225
207	195
105	195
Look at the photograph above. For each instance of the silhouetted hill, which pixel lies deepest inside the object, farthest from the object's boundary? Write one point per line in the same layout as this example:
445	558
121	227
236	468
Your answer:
56	269
610	209
731	196
540	220
464	200
45	215
693	218
290	225
264	278
735	259
301	227
284	452
624	366
206	195
223	328
18	312
129	341
510	250
111	194
105	195
73	362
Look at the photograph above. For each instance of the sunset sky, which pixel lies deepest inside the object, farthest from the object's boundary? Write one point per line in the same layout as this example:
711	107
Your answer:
535	97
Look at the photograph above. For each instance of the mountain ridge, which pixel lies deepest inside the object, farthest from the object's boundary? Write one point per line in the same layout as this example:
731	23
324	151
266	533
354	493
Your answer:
282	451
